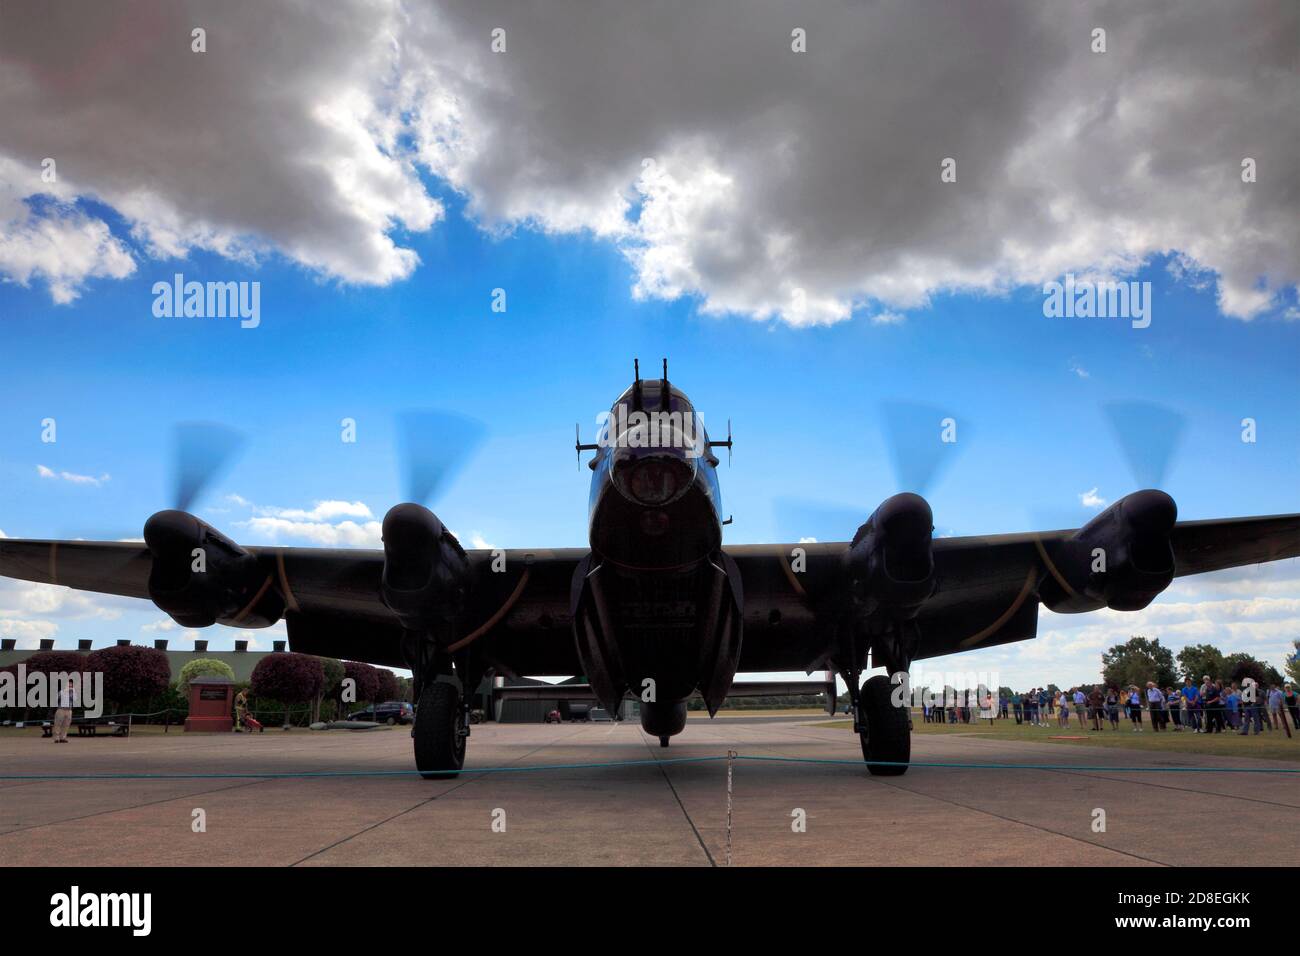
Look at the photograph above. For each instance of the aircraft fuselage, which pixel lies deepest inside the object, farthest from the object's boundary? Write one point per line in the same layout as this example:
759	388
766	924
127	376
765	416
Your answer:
657	611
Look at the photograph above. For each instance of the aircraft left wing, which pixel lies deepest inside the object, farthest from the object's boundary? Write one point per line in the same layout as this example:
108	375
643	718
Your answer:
332	599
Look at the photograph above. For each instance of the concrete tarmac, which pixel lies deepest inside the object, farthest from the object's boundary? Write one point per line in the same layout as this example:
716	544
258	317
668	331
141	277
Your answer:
656	814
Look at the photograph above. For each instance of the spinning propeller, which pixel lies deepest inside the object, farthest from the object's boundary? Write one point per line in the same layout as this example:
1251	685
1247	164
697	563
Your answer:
433	447
914	435
1148	436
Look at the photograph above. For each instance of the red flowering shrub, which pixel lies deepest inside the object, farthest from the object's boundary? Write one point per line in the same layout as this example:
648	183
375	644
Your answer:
389	688
288	677
131	673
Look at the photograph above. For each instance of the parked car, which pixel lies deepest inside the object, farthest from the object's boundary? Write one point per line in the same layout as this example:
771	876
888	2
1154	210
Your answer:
389	712
599	714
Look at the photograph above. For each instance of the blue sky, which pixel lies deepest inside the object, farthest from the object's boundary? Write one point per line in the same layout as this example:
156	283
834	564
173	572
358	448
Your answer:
768	215
804	402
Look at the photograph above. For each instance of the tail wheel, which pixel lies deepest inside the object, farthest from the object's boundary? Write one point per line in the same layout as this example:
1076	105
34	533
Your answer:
439	741
888	734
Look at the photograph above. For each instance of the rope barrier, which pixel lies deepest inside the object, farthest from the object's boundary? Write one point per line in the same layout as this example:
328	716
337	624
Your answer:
307	774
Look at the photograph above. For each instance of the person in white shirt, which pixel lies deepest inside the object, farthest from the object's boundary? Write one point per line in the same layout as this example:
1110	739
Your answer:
1156	704
1276	710
63	713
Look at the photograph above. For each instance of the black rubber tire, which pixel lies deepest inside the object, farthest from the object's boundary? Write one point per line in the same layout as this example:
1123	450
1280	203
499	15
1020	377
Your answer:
391	721
439	743
888	736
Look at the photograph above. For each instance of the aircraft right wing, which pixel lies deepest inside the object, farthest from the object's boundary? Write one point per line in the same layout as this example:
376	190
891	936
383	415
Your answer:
987	586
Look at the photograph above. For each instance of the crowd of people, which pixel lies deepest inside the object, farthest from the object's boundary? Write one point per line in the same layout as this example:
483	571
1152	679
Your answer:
1210	707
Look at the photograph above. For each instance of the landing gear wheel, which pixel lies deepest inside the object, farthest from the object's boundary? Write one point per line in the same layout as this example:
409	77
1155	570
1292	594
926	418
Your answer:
888	729
663	741
439	741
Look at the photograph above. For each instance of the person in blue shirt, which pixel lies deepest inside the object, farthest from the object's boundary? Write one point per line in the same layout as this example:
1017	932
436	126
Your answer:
1233	701
1252	712
1192	694
1174	700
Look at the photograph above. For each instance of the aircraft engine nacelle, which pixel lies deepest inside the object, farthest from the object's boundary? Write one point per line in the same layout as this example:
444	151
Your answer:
426	572
1121	559
891	561
200	577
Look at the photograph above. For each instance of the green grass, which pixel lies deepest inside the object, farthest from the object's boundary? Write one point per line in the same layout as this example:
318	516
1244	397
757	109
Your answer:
1270	745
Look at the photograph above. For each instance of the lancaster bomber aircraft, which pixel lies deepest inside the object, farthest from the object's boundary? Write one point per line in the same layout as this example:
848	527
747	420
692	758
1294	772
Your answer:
656	606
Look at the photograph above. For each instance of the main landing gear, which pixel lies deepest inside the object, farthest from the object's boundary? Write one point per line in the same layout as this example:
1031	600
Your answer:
442	711
882	722
884	729
441	728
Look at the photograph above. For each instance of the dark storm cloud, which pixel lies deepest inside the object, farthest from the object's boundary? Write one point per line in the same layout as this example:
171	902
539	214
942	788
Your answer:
763	181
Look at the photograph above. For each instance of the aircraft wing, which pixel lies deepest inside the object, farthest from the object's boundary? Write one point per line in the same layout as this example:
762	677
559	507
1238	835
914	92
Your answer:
332	596
986	591
986	586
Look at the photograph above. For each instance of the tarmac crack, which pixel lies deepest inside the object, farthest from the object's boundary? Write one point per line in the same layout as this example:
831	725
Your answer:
1023	823
133	806
676	796
997	816
422	803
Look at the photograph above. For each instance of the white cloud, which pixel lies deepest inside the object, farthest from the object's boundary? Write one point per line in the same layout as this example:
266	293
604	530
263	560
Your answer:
807	185
27	634
318	525
22	598
145	125
1090	499
1079	370
62	246
345	534
71	477
799	186
320	511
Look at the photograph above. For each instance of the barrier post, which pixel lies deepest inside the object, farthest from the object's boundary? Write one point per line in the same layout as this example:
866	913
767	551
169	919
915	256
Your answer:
731	756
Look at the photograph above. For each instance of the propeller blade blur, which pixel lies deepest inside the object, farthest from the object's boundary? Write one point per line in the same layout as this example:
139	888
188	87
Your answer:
914	434
1149	435
203	451
434	446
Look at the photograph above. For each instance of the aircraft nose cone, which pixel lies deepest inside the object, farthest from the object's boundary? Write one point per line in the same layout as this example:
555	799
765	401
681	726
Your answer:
654	477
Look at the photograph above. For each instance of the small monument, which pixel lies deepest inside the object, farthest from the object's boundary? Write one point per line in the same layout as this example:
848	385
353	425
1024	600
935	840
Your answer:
211	700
